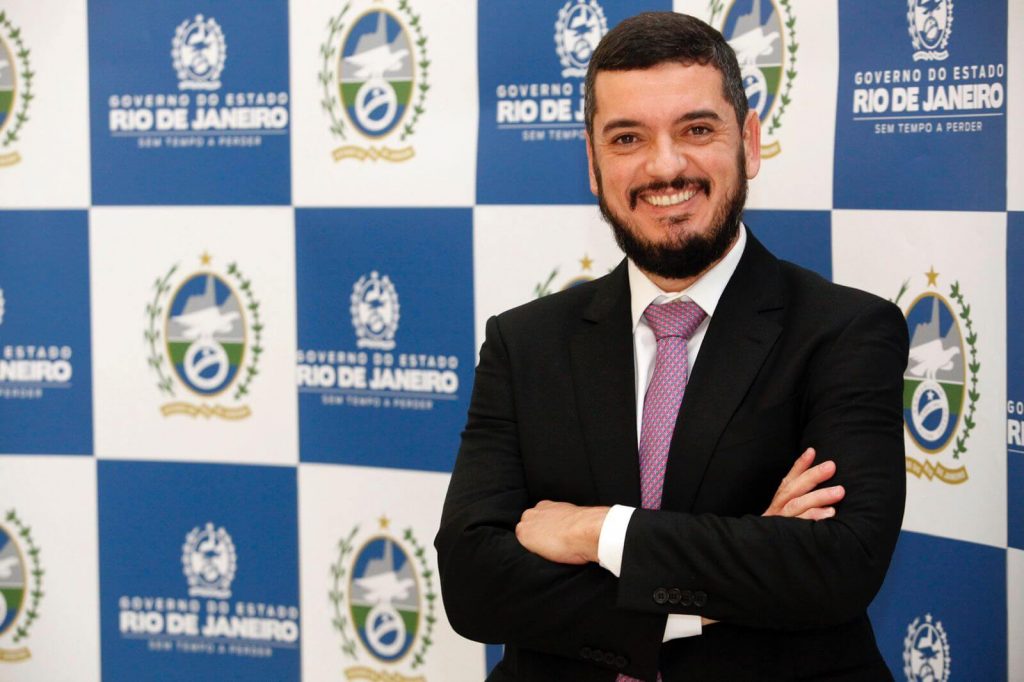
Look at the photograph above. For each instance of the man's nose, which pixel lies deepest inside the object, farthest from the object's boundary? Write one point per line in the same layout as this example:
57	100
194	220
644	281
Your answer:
666	159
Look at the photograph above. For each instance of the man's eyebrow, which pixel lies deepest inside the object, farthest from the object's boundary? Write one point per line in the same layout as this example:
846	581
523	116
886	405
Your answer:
617	123
699	114
696	115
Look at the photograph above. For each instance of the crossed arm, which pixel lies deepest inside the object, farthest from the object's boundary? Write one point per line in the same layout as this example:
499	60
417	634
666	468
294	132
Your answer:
568	534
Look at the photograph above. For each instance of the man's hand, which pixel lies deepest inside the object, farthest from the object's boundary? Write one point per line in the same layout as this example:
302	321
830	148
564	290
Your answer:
562	532
797	497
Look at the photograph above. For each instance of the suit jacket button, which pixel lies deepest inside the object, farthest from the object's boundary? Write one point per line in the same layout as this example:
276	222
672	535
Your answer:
620	662
609	658
700	598
660	595
686	598
587	652
674	595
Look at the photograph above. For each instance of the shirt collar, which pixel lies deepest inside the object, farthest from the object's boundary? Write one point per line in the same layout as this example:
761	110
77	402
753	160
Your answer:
705	292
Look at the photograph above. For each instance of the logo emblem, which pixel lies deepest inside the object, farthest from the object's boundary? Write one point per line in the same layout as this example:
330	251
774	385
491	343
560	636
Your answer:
763	34
544	288
926	651
375	312
199	51
198	334
580	26
931	22
21	587
382	594
374	77
15	88
940	390
208	560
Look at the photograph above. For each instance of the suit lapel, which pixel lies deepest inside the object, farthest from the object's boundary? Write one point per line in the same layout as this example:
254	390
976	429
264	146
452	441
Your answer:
602	373
742	332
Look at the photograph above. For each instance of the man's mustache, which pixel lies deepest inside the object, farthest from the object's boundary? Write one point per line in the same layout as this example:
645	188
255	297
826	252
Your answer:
703	184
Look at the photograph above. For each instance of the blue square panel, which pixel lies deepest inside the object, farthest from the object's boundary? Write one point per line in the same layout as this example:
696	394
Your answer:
941	613
532	58
189	103
1015	377
385	313
45	349
921	114
198	572
801	237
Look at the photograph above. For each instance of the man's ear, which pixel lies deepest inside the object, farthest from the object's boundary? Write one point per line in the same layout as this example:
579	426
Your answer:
590	164
752	144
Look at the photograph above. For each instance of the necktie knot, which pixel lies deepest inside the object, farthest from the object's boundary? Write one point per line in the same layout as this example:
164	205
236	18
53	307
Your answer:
678	318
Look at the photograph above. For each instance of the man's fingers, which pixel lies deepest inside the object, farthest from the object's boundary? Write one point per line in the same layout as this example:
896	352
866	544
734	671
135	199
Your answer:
799	466
816	499
818	514
811	479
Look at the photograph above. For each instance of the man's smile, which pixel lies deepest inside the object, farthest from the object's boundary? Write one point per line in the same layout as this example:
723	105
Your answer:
664	194
669	199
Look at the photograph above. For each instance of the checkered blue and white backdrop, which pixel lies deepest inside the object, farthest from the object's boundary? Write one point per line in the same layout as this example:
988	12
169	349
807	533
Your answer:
246	253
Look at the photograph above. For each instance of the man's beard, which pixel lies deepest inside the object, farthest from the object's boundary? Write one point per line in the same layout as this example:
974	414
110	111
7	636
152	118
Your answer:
688	254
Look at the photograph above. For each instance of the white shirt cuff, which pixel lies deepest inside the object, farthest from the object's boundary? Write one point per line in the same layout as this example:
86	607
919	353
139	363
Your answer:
681	625
609	555
613	538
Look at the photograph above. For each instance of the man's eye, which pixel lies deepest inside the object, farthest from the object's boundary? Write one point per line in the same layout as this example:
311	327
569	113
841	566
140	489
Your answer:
700	130
627	138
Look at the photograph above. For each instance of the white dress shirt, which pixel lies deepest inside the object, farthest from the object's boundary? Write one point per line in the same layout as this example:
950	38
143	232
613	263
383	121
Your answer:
706	293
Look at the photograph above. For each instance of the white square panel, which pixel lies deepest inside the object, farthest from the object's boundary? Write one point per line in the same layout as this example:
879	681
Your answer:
947	271
194	334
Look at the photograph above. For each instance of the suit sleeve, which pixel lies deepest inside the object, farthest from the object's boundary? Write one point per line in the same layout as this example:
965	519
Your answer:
789	573
496	591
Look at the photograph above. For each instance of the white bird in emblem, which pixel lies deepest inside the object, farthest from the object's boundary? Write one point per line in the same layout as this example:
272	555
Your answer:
927	359
7	566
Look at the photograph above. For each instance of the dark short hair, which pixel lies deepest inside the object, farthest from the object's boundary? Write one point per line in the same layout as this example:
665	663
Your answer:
654	38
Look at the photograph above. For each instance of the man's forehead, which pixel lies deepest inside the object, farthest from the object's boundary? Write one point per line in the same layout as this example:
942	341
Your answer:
669	84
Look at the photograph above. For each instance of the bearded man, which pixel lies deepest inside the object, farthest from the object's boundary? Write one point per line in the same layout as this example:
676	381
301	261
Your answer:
614	512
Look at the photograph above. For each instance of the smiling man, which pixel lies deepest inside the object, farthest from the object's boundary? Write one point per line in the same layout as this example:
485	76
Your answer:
615	512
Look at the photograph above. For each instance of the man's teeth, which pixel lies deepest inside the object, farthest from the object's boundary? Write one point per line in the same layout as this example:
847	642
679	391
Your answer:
669	199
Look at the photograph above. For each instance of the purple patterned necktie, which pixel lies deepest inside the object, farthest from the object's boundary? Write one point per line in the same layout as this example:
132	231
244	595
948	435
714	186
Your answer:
673	324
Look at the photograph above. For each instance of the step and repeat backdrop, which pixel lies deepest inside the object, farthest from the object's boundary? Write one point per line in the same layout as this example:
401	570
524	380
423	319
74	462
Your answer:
246	254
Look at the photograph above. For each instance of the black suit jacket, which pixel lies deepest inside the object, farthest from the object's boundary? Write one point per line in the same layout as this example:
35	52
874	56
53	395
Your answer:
789	361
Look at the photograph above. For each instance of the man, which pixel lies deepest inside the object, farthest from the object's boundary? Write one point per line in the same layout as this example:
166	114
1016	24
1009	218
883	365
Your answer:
607	495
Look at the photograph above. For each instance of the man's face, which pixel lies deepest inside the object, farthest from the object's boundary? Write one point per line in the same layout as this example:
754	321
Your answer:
669	165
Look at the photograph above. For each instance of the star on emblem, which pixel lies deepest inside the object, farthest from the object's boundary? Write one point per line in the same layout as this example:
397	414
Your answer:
586	262
932	277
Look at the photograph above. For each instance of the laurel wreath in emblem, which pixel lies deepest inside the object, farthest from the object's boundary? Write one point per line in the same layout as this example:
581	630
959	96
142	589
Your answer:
542	289
20	117
153	333
911	639
328	51
253	306
336	595
971	339
154	313
792	46
923	51
36	593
